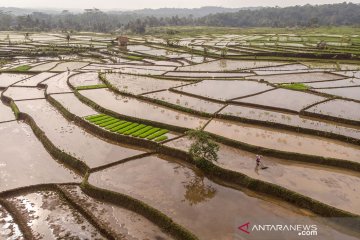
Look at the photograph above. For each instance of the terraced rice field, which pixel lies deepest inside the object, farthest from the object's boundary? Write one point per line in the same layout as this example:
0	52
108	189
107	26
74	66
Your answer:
94	145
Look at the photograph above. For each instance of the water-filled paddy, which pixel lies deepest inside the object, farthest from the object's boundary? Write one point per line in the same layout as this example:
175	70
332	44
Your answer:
185	101
21	93
72	139
298	77
350	92
85	79
35	80
187	196
337	108
139	84
7	79
124	223
293	120
224	90
283	99
142	110
8	228
5	113
48	216
284	140
23	158
327	185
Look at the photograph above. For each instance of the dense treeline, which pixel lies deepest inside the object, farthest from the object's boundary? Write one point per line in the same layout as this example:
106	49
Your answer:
98	21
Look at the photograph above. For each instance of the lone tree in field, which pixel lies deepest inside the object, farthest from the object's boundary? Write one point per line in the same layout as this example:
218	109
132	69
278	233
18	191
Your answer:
203	148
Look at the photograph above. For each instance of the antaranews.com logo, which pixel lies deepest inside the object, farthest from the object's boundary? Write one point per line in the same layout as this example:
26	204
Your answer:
299	229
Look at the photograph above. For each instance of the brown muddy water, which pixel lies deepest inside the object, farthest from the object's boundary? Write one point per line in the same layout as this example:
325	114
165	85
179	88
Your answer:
8	228
72	139
142	110
282	140
50	217
23	158
126	224
337	188
208	209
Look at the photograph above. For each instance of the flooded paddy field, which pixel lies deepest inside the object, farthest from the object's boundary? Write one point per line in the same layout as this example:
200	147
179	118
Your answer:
94	146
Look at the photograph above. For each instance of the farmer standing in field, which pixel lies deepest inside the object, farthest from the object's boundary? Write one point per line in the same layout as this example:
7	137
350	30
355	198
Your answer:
259	163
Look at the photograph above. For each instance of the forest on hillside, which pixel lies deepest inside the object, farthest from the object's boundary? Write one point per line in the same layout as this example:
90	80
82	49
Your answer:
95	20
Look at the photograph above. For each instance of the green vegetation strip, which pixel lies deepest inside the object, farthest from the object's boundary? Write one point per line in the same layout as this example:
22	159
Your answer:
128	128
295	86
23	68
91	87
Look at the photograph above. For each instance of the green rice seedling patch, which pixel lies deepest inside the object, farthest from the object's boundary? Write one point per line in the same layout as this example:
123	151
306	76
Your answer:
98	122
157	134
89	118
111	126
141	131
144	135
161	138
108	123
115	129
135	129
128	128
